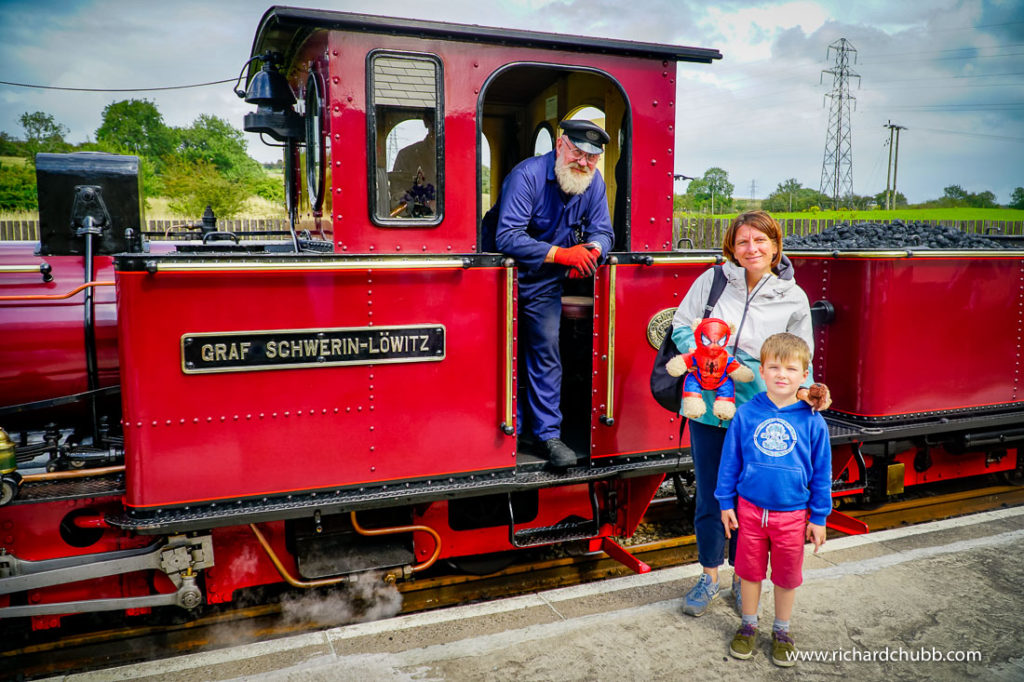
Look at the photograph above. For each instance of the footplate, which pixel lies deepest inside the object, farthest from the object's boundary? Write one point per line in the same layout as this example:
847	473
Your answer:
572	528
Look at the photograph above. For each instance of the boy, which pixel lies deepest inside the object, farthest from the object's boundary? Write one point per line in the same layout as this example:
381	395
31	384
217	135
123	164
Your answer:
776	462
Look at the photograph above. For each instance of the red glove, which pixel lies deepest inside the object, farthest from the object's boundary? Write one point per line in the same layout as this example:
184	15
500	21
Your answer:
579	257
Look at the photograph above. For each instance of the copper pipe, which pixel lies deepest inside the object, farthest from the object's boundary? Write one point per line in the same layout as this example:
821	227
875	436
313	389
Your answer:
403	529
56	297
294	582
77	473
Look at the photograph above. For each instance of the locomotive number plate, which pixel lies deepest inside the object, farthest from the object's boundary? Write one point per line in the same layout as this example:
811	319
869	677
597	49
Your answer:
249	351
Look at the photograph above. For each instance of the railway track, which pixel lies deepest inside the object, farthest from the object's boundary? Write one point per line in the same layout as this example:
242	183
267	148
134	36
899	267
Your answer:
112	646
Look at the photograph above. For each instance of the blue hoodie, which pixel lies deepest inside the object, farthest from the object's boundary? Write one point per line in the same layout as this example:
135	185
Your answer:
778	459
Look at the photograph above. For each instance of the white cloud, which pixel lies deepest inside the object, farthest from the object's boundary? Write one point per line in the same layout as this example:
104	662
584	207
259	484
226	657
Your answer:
751	32
757	113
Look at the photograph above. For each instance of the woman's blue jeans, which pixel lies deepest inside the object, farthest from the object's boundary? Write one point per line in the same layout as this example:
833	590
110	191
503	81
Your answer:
706	449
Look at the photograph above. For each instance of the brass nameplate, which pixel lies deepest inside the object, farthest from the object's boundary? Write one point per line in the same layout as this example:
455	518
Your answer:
250	351
658	326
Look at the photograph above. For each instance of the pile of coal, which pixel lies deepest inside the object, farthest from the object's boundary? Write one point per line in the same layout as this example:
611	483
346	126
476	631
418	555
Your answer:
894	235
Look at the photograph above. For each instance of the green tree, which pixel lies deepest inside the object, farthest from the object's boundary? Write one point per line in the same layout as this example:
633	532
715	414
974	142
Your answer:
216	141
683	203
10	146
43	134
791	196
955	194
716	182
192	185
1017	198
786	197
898	199
137	127
17	186
713	191
984	199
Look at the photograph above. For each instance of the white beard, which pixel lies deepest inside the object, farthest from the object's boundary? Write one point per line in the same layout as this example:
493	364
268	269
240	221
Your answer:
570	180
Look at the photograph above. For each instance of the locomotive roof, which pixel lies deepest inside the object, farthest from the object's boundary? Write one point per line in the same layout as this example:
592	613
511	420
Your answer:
281	26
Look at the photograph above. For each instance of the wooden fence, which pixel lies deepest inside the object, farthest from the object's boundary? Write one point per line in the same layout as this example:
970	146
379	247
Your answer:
155	229
704	233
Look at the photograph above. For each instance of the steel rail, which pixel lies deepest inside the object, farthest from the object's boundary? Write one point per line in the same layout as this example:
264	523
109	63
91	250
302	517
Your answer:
85	650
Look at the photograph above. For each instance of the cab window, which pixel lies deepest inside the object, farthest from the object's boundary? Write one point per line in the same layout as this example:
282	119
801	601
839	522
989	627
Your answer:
405	129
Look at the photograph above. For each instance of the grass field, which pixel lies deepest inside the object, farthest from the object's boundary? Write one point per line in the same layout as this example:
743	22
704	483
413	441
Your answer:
255	207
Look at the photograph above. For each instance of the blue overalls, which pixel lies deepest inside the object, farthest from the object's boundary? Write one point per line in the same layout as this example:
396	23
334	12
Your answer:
534	216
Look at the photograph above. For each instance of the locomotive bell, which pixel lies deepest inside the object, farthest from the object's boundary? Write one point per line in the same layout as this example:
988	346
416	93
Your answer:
268	87
270	92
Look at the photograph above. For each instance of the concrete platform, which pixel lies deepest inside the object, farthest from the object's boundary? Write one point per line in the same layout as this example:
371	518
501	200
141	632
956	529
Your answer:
893	605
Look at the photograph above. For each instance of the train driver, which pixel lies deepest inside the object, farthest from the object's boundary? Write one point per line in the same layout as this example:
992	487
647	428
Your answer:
553	219
413	178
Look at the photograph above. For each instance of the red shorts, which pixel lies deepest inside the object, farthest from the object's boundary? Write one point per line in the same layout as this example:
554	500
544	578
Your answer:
780	534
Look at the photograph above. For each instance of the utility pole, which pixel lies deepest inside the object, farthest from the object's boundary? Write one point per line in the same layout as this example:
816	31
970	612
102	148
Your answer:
890	199
753	189
895	164
837	164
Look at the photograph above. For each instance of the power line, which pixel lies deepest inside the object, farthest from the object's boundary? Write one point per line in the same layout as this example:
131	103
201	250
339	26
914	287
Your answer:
942	78
168	87
962	132
941	59
952	49
980	106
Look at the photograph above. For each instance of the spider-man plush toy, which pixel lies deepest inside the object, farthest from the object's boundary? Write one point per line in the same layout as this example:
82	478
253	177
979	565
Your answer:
709	367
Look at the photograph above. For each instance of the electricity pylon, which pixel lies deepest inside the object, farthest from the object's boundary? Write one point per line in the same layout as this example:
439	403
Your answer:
837	165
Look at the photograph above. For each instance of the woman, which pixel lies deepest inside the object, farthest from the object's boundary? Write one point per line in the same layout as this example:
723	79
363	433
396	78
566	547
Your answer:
760	298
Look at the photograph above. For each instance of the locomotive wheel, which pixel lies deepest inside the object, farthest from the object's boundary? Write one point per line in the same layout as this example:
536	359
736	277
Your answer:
8	489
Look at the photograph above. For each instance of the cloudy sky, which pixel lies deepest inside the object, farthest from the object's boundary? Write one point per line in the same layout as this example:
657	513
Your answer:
950	71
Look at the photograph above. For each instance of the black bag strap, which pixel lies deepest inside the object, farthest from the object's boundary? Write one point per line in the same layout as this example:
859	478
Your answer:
666	389
717	287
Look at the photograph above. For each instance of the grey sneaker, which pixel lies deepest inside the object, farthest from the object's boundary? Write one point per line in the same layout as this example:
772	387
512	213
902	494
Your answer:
700	597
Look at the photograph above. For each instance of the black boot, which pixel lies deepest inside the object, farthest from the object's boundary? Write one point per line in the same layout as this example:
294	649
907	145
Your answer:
560	455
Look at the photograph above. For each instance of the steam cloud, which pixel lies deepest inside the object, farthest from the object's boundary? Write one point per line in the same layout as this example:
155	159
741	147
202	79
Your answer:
365	599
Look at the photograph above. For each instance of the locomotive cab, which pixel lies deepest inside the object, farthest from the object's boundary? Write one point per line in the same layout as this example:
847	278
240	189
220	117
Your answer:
404	339
520	109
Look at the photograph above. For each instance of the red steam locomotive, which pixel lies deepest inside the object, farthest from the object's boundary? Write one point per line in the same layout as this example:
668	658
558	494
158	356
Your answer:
185	420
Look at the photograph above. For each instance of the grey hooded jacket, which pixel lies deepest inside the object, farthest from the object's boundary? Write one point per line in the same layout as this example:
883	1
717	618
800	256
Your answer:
776	304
